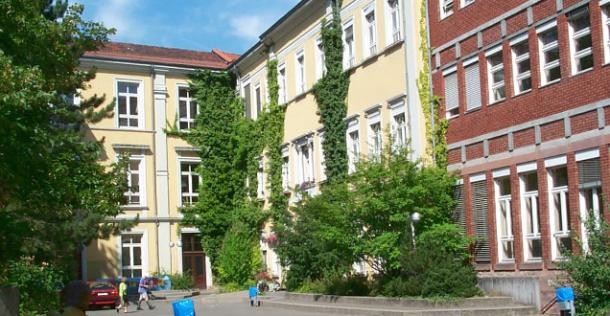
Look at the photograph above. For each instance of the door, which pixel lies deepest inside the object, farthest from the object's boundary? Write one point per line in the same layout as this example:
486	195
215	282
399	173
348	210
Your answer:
193	259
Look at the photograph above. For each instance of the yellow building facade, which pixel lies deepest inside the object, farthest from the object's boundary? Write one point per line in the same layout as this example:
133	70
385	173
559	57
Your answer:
381	53
149	87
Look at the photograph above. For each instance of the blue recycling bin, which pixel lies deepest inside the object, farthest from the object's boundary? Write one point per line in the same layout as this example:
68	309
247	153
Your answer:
183	308
565	301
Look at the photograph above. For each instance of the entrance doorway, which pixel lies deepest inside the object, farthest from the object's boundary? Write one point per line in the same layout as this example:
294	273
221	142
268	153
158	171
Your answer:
193	259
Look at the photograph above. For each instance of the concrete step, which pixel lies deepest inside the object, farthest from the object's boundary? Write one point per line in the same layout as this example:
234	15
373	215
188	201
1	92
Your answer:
481	302
174	294
343	309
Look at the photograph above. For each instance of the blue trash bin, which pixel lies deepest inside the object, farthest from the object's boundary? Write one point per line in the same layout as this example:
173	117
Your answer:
184	308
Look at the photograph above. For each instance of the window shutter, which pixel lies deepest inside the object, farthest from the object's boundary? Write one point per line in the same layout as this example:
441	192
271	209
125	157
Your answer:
451	91
458	213
479	207
588	173
473	87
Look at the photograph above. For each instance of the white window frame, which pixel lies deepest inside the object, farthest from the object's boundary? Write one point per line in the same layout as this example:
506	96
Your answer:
190	118
141	179
143	250
140	97
605	8
491	69
369	31
258	99
299	64
516	60
443	5
247	97
260	178
465	3
191	193
575	56
506	201
320	59
305	167
534	199
375	134
349	48
285	169
543	64
399	129
557	232
353	147
282	85
322	158
451	108
393	23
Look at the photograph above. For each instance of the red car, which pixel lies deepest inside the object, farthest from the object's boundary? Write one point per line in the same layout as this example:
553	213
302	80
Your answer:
103	294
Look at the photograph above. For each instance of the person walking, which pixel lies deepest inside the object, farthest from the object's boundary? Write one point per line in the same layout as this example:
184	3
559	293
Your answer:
143	287
123	302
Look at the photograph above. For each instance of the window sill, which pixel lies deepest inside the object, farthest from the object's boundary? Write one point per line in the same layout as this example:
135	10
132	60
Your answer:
482	266
443	17
576	74
531	265
505	266
473	110
492	103
522	93
134	207
550	83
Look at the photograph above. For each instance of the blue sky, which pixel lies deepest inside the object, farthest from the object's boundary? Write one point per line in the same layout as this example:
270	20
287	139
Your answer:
230	25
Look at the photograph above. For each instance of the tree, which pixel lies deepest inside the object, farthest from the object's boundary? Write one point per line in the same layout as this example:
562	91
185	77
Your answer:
239	259
54	195
589	271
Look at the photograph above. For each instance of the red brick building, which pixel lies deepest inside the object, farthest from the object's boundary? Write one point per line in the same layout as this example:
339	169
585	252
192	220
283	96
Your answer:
525	85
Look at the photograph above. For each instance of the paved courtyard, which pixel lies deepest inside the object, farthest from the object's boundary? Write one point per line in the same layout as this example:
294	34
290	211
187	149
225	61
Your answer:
230	304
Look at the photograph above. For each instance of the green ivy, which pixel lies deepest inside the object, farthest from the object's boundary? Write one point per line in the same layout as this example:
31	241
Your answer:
331	93
436	128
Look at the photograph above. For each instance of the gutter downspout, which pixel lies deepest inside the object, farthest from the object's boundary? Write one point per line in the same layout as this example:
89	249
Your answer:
433	114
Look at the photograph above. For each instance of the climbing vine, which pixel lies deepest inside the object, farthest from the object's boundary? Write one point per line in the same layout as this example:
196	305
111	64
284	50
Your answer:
331	93
436	128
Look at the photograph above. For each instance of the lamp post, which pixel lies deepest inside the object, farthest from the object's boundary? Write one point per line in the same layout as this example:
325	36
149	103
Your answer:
415	217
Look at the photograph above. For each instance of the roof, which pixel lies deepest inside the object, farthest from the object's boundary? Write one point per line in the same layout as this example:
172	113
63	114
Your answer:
117	51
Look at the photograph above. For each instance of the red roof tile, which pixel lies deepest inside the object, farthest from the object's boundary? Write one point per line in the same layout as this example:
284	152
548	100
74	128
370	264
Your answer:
161	55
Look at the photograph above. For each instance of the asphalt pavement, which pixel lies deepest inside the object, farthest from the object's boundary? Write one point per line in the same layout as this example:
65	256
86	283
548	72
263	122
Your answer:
228	304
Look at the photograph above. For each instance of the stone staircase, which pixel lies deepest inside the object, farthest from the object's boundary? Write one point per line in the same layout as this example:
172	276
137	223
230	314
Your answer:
343	305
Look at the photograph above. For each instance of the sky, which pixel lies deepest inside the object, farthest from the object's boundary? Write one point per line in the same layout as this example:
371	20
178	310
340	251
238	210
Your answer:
229	25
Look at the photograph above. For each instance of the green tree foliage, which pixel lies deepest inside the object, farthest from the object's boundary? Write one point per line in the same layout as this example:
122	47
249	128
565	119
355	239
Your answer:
331	93
54	196
589	272
240	258
41	283
224	137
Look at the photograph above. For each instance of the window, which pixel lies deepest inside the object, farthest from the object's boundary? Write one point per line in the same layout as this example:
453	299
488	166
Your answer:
349	60
550	70
135	182
452	108
560	215
495	77
187	109
446	8
393	22
353	145
530	216
482	253
580	40
522	74
473	85
129	103
281	82
260	179
606	31
305	162
375	140
189	182
285	169
589	184
370	37
259	102
300	72
131	255
504	220
320	59
398	126
247	101
467	2
322	158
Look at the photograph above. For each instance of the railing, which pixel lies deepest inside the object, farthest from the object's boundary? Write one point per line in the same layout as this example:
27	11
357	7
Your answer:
548	306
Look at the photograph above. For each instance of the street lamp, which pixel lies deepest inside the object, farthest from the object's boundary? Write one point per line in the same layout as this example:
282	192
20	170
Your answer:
415	217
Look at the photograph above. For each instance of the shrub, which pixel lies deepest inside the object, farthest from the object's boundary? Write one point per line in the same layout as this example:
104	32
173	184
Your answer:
182	281
239	258
39	286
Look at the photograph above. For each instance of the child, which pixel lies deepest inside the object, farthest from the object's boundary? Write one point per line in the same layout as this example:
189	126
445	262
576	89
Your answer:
123	295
